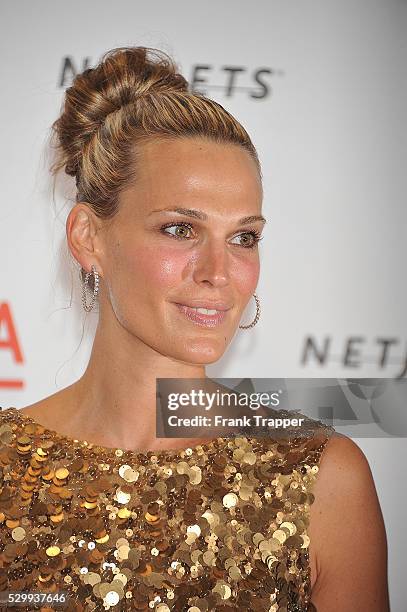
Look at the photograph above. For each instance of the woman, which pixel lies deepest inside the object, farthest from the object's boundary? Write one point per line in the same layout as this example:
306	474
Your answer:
167	221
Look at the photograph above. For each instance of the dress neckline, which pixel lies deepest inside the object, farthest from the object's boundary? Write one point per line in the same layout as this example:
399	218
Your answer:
110	450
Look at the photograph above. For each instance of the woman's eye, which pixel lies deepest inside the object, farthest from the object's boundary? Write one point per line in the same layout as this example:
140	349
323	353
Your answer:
181	229
250	239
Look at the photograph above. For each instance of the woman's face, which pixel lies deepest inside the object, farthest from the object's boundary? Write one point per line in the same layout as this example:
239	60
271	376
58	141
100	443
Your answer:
156	258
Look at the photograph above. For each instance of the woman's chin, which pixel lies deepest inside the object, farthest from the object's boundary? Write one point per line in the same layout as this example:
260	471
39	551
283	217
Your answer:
203	353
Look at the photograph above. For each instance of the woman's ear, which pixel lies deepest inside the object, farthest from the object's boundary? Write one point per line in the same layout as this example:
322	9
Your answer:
82	228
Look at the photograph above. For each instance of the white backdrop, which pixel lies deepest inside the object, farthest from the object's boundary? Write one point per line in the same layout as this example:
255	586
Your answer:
321	87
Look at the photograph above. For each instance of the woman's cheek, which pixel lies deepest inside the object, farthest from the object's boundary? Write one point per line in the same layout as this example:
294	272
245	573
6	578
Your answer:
246	275
162	266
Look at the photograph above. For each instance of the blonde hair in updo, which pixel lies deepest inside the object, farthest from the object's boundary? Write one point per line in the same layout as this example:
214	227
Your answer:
133	94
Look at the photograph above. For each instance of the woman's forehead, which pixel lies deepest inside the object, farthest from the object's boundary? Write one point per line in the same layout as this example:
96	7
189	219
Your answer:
190	169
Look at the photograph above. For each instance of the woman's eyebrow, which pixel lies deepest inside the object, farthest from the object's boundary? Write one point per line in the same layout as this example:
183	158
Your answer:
199	214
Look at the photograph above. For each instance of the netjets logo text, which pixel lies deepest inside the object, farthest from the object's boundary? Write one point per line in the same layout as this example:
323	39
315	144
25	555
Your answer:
356	352
228	80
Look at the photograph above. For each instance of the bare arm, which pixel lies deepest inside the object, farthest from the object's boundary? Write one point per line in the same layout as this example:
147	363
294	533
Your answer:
348	547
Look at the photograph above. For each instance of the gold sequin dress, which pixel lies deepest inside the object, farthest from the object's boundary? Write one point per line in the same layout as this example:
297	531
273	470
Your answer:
218	526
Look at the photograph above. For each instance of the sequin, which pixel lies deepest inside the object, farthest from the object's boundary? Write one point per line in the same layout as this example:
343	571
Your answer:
219	526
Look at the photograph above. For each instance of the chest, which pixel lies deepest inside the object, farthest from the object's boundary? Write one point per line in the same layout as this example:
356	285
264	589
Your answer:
205	532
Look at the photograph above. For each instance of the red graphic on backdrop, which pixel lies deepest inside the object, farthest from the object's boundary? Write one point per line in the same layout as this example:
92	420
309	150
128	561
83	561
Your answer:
10	343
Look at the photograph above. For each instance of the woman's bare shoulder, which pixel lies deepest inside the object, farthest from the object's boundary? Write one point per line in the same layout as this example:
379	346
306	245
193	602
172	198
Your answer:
52	411
347	532
341	455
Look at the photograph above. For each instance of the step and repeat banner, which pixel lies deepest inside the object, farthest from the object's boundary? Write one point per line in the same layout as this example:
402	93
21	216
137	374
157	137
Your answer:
321	87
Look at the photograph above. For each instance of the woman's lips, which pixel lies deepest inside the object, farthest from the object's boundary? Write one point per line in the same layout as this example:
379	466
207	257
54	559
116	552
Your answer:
205	320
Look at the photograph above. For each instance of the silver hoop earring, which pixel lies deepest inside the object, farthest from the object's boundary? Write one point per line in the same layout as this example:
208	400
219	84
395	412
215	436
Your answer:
88	307
256	318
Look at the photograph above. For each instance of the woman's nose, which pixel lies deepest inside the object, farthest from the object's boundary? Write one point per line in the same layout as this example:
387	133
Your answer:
212	265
